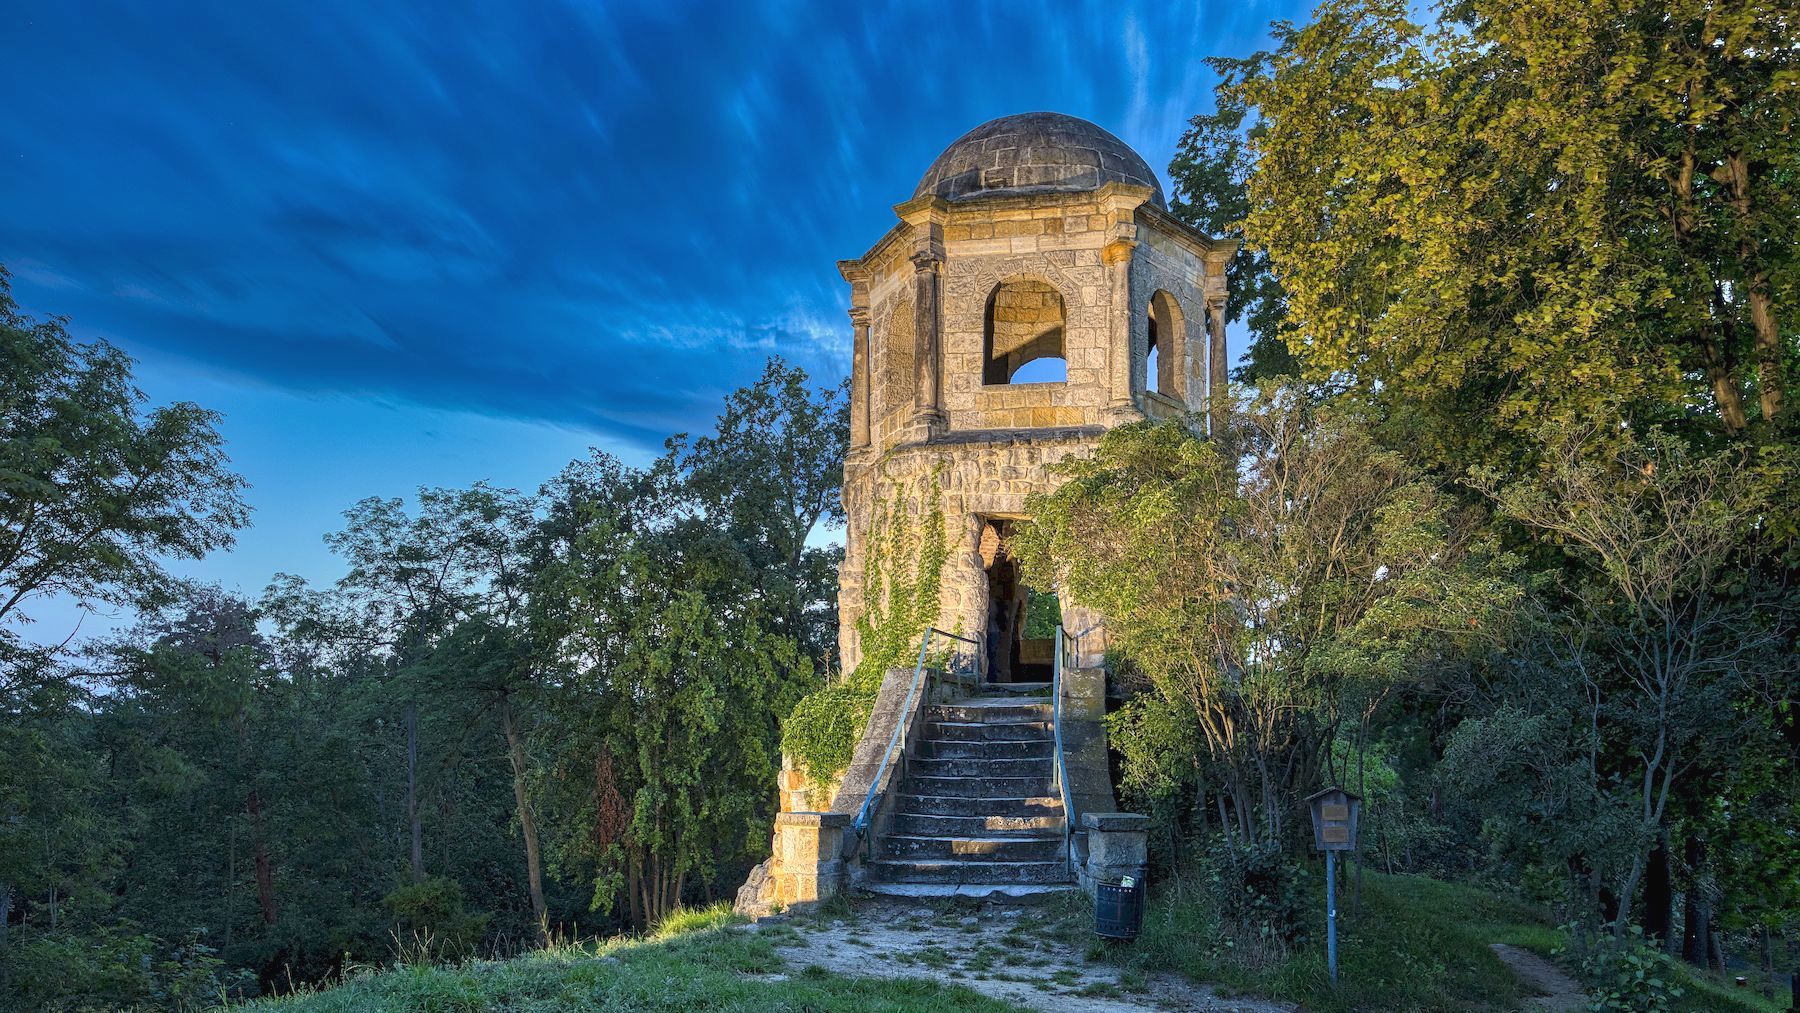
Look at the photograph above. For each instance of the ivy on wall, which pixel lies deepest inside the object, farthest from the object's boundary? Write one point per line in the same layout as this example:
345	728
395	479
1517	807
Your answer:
902	592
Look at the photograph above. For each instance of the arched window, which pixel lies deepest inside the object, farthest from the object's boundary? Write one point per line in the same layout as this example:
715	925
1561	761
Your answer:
1023	336
1162	369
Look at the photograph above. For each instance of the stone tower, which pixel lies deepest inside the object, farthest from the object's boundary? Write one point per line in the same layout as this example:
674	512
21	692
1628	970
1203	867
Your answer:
1034	292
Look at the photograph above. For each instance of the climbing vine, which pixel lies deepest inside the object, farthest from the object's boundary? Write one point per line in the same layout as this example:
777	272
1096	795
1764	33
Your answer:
902	590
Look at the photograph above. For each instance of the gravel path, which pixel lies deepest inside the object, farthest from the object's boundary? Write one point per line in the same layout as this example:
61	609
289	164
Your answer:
1018	953
1556	992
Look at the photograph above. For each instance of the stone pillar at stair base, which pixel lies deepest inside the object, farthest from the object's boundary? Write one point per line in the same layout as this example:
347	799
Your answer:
1117	846
807	866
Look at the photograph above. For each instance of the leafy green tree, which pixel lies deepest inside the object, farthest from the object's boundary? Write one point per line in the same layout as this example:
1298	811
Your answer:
770	475
1670	654
1211	171
443	593
671	682
1533	212
95	492
1260	594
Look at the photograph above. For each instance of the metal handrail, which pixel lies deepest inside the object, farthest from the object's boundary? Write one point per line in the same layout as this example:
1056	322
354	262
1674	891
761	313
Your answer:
863	815
1062	769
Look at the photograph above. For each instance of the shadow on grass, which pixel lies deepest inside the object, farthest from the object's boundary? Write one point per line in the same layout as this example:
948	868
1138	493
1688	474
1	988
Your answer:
1413	943
693	960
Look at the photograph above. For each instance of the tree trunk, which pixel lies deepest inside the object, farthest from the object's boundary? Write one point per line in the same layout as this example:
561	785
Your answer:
265	873
412	793
6	912
1696	921
1734	172
1659	896
634	877
533	872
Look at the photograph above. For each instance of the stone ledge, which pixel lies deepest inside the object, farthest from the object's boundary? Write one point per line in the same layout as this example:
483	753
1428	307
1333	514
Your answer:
827	819
1115	822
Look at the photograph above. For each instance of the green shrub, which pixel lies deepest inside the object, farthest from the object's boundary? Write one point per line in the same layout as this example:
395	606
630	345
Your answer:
114	968
431	923
1255	888
1630	977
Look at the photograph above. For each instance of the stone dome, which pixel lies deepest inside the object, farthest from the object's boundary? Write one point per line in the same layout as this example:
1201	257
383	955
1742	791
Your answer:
1035	152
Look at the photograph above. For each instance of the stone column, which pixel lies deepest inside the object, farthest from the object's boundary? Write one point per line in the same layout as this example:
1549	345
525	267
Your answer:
1123	357
859	378
928	358
1212	284
1217	396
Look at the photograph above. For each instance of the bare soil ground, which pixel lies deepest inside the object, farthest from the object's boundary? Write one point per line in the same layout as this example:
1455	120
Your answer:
1036	956
1556	992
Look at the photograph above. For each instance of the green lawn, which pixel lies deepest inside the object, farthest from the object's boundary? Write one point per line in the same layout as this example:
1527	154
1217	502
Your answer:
1413	943
694	963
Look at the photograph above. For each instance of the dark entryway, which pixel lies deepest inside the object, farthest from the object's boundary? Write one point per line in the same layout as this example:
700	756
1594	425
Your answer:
1021	626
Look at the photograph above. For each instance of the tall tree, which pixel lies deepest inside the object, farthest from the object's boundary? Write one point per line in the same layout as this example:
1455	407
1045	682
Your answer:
770	475
1535	211
96	493
671	678
1262	588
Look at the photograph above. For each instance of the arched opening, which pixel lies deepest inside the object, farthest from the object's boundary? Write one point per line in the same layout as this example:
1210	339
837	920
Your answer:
1023	340
1167	345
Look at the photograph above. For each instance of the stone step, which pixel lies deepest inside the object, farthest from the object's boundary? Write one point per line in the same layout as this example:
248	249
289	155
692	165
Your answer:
962	805
926	825
985	749
967	731
1016	689
925	766
974	849
1019	892
989	713
955	871
978	787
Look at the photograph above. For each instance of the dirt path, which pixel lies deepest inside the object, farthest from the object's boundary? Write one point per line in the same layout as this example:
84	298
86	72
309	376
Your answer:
1022	954
1555	991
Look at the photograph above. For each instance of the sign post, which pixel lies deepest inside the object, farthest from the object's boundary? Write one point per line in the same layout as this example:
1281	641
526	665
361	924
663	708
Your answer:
1334	813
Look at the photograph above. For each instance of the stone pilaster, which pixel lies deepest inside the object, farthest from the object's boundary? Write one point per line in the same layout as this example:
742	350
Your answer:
859	378
1217	397
928	362
1122	374
1116	847
1120	202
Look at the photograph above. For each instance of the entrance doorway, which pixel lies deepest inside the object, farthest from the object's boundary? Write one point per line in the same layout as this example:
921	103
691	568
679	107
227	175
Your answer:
1021	621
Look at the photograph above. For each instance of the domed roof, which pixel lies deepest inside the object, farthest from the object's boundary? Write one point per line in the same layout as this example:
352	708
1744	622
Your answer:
1032	152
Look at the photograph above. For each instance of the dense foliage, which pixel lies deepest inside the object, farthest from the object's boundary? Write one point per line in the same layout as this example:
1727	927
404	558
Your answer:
1502	536
515	713
1542	256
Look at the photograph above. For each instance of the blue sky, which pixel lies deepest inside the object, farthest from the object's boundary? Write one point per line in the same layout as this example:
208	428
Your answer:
410	243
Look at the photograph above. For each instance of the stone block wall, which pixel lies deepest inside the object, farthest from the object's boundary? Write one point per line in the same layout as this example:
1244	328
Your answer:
981	475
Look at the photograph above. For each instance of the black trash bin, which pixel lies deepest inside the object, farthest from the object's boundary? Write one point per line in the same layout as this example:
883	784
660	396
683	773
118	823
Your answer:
1119	910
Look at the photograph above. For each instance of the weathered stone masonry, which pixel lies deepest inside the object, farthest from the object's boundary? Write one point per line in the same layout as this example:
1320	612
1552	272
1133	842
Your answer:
1037	238
1019	216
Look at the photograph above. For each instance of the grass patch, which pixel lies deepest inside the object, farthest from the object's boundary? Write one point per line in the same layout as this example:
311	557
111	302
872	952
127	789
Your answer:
1705	992
693	961
685	921
1414	943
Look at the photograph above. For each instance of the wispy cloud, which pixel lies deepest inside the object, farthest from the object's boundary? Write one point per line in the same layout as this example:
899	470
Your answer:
597	215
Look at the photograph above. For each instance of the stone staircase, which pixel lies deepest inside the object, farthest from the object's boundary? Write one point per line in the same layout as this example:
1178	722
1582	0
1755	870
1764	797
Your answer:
978	809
